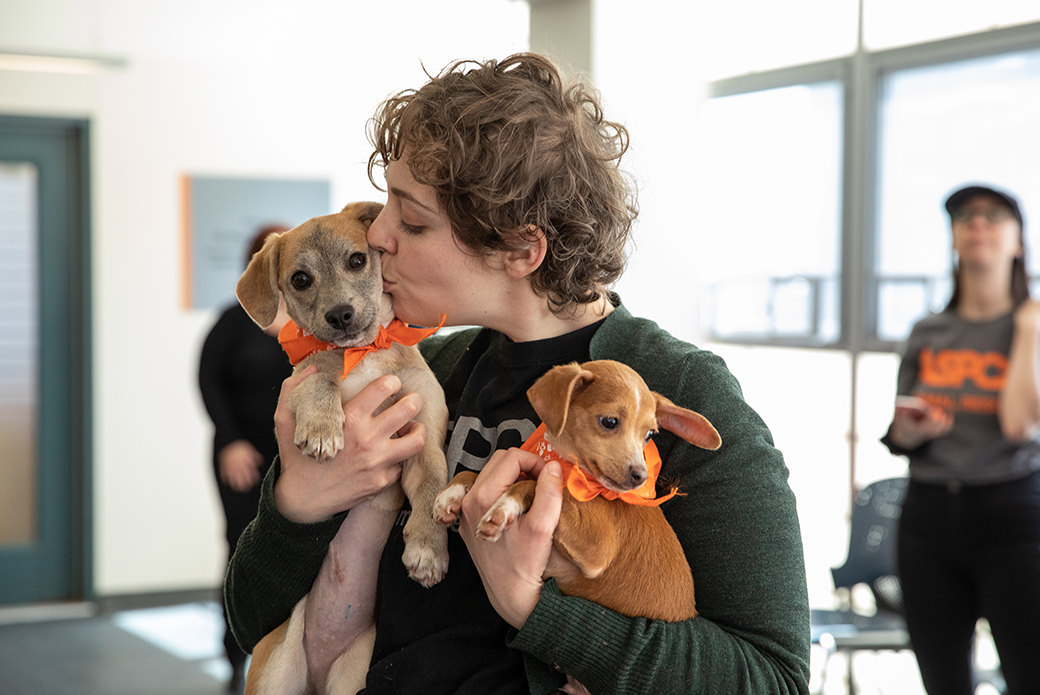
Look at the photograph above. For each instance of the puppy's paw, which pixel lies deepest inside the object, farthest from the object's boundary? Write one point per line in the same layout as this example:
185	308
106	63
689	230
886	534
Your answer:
500	517
448	504
319	438
425	551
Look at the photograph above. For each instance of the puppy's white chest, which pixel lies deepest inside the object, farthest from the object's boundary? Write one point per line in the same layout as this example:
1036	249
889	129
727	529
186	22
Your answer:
360	376
372	366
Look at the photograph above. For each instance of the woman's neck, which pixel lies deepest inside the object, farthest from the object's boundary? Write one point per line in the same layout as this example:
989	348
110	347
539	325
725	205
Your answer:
537	322
984	296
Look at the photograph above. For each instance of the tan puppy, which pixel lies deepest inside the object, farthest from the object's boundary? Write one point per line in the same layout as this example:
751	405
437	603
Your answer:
625	556
332	285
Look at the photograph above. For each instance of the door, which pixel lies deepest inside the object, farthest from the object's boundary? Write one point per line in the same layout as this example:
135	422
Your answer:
44	360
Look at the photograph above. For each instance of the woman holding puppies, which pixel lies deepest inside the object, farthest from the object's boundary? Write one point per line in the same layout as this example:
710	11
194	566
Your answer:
506	210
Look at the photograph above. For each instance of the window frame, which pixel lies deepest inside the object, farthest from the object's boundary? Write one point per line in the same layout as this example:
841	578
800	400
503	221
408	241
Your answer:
862	76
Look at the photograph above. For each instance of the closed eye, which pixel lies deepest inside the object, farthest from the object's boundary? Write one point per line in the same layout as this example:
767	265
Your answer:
411	229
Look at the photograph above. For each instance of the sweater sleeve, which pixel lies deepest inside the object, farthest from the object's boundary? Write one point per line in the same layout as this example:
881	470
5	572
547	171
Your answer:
273	567
739	528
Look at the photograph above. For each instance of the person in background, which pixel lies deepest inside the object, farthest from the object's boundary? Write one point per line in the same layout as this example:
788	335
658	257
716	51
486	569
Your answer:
506	210
241	371
968	416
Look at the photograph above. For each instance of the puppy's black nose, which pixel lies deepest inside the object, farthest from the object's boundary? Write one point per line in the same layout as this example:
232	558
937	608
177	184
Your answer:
340	317
638	476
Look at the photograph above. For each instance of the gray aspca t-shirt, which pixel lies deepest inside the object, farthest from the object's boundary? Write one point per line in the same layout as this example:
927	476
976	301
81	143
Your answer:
960	366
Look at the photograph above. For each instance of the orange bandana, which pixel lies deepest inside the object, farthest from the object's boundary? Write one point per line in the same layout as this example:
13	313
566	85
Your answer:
583	488
299	344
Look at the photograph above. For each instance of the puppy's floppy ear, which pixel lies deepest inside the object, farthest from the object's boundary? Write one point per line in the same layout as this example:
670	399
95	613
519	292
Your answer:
551	395
691	426
257	289
366	212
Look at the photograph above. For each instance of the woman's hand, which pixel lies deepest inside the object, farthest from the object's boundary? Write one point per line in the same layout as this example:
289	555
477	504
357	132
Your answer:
912	427
308	491
239	465
1027	318
512	567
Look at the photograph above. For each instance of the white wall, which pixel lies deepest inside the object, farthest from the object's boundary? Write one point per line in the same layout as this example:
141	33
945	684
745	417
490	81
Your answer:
213	87
650	78
265	88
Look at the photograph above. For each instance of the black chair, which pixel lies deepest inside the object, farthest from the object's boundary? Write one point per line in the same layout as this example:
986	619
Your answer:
871	561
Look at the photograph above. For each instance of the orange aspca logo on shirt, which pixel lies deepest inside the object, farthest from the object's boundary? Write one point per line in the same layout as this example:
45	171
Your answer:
951	368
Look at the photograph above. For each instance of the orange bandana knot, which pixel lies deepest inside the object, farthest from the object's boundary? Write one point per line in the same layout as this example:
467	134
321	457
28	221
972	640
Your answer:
583	488
299	344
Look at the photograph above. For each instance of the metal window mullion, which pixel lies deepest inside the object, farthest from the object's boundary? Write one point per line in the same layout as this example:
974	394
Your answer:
859	198
979	45
810	73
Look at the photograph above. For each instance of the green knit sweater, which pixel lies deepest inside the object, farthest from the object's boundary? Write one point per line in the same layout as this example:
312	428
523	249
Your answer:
737	523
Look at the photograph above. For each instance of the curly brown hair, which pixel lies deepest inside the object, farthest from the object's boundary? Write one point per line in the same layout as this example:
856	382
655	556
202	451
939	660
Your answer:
511	149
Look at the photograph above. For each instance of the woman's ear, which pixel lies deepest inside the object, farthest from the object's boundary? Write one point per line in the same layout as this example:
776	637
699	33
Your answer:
528	255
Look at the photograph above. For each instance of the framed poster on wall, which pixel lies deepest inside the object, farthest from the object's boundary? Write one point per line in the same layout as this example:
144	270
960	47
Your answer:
221	218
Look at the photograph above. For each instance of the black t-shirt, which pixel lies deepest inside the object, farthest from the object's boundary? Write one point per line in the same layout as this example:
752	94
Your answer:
448	638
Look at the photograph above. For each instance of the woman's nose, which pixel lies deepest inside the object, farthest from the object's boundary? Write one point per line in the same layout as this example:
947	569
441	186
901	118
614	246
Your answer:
379	234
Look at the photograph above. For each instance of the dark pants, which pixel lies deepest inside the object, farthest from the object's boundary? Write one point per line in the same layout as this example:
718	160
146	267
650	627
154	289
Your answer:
239	510
968	554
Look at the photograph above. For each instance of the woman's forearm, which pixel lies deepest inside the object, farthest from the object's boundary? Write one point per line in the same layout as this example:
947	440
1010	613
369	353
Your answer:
341	605
1019	410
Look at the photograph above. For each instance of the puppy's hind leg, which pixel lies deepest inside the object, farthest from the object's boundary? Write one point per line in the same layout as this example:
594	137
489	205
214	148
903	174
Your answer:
423	477
426	542
348	674
279	666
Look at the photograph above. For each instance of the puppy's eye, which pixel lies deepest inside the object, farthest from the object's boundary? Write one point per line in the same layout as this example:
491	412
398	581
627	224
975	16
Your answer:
301	280
649	435
608	423
356	261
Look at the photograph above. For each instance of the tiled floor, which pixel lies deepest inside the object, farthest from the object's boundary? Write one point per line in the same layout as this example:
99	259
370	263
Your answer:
177	650
173	650
892	672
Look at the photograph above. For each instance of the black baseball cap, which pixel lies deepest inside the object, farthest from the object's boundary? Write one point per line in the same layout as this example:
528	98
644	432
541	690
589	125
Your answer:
958	198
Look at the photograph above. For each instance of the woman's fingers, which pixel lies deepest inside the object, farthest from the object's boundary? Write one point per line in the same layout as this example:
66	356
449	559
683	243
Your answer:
374	445
544	514
505	467
512	567
358	410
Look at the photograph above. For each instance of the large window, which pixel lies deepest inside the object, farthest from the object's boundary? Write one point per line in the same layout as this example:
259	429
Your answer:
940	127
785	285
819	209
822	184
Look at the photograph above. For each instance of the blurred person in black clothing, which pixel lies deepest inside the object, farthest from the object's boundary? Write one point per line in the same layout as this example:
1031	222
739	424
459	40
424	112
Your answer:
240	374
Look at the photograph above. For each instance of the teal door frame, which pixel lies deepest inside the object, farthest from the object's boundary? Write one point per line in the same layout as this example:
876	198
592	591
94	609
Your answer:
58	565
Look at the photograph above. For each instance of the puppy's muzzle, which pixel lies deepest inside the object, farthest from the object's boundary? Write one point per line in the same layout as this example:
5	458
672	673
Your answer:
340	317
